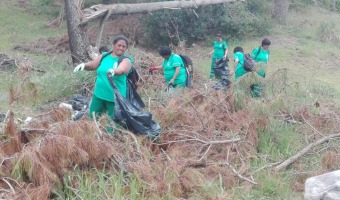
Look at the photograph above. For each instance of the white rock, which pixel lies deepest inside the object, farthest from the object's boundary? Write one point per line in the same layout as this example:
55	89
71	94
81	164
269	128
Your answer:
323	187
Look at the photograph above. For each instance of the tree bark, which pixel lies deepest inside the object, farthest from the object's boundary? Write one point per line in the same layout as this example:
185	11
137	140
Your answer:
280	12
304	151
99	11
78	40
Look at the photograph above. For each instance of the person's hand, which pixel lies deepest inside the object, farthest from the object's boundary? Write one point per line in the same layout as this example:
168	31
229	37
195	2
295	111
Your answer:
80	67
111	72
224	57
151	69
171	82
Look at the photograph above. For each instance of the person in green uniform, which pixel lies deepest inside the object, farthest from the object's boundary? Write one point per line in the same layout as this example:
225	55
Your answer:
260	55
173	67
238	62
103	95
220	51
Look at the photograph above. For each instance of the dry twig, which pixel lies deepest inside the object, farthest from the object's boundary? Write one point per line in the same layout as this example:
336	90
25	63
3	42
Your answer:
304	151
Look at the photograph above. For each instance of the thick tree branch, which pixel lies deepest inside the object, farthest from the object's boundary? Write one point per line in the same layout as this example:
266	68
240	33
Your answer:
304	151
100	11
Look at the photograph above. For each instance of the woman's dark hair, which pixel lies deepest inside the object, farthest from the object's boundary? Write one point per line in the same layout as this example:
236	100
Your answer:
120	37
164	51
238	49
265	42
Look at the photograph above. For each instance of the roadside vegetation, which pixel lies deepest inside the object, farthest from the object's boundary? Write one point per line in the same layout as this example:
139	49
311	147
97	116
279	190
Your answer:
214	145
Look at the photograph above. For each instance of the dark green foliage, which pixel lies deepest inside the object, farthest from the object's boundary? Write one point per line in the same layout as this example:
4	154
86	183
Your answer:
46	7
259	7
235	21
330	5
239	22
170	26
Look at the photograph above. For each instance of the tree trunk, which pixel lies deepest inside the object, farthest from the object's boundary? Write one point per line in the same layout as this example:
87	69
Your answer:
78	40
280	12
99	11
334	6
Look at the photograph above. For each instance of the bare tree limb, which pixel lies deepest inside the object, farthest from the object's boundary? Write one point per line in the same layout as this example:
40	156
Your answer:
239	175
99	11
204	142
304	151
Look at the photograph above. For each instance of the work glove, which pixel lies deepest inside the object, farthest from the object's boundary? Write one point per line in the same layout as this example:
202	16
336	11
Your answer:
152	69
80	67
111	72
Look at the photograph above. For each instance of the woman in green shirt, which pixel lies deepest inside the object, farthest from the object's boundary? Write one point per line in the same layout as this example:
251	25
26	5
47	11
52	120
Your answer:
173	67
260	55
220	51
103	95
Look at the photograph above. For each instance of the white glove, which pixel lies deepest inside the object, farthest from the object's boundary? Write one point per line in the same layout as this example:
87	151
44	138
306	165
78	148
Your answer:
111	72
80	67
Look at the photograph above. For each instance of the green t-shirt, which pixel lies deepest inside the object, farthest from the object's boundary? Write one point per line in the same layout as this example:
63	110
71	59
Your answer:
260	56
103	88
219	49
239	70
169	68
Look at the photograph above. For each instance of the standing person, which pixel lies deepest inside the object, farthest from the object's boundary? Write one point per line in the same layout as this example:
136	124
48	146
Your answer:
220	51
260	55
173	67
238	62
103	95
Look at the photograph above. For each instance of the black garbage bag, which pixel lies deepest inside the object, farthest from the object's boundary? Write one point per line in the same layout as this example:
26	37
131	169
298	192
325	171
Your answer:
134	97
136	120
2	117
79	102
80	105
222	74
188	81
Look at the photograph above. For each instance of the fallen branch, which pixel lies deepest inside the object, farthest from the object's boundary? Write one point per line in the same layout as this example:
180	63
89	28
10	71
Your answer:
304	151
204	164
204	142
9	185
239	175
99	134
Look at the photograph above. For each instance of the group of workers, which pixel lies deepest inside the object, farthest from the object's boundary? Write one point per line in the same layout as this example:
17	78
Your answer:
173	68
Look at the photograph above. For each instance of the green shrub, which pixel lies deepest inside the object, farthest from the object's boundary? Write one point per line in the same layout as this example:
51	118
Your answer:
239	22
327	32
171	26
235	21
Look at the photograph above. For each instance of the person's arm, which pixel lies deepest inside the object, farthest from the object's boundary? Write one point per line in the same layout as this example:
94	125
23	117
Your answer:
94	64
225	54
159	67
211	52
225	51
236	61
175	75
254	52
123	68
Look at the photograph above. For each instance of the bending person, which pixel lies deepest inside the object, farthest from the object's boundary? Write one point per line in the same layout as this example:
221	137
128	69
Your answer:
173	67
238	62
103	95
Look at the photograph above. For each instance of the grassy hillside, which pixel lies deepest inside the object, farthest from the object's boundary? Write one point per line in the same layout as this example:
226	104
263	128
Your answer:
303	69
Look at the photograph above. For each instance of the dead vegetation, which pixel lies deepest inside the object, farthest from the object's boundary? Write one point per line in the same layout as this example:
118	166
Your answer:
204	138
